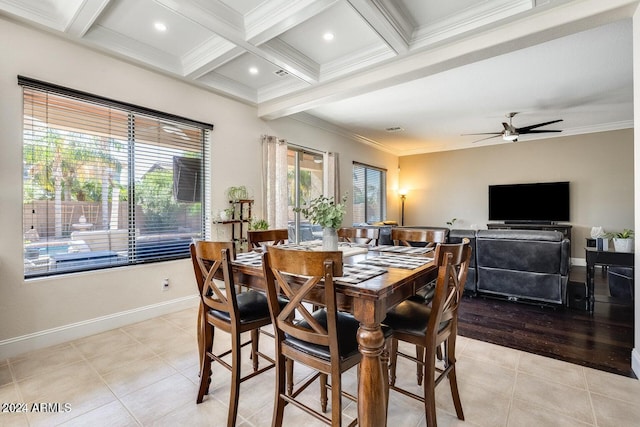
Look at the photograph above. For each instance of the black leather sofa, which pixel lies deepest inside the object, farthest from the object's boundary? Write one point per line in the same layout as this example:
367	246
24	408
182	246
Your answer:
523	264
456	236
527	265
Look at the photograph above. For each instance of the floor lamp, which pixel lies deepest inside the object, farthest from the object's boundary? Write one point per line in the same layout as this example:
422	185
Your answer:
403	197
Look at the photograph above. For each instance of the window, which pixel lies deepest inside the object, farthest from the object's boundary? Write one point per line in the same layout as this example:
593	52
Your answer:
304	183
369	193
106	183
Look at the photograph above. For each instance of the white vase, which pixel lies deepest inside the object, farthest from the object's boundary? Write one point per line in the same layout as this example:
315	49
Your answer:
329	239
623	245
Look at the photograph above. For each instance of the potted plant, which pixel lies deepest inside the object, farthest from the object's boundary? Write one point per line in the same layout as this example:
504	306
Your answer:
227	214
623	240
258	224
237	193
328	214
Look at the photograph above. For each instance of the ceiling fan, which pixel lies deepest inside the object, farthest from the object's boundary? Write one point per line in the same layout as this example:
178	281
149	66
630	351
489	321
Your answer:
511	133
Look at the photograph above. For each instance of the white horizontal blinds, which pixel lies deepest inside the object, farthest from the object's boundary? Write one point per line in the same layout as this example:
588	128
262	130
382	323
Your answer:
168	177
106	184
70	158
369	198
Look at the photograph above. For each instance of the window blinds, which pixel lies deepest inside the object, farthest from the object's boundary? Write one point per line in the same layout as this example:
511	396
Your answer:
106	183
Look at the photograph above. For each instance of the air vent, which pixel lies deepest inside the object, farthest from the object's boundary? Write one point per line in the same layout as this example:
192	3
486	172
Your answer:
281	73
394	129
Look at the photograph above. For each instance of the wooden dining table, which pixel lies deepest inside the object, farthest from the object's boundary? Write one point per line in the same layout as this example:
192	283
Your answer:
369	302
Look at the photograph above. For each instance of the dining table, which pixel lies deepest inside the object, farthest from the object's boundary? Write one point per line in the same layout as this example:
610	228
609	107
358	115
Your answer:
376	279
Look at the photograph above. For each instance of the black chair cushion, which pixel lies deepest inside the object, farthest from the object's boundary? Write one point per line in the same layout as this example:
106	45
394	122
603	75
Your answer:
411	317
425	295
252	306
347	327
621	282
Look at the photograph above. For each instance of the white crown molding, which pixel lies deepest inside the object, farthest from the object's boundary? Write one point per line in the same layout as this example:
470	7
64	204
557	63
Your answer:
330	127
18	345
208	56
468	20
291	60
133	49
280	89
528	28
354	62
603	127
274	17
385	19
230	87
85	17
44	14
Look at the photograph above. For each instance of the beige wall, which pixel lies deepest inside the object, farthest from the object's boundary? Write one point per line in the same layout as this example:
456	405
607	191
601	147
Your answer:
32	309
454	184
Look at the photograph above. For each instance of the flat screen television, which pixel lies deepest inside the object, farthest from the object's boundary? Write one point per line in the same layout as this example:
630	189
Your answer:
187	179
545	202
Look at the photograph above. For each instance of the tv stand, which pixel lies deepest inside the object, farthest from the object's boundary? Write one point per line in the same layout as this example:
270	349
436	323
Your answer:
565	229
529	222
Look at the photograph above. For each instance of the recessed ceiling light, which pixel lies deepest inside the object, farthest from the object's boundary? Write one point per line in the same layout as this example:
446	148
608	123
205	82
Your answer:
160	26
253	70
328	36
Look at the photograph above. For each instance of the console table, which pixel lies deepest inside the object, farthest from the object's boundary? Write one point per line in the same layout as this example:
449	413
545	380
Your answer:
604	258
563	228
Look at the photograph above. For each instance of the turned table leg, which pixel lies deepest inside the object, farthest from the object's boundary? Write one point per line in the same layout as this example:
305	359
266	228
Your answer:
372	405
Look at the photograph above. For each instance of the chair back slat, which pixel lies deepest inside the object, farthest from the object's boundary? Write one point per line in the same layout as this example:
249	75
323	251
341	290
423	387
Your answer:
207	259
297	274
406	236
453	261
361	235
277	236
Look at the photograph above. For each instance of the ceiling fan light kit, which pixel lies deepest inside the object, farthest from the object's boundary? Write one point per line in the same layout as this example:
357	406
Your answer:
511	133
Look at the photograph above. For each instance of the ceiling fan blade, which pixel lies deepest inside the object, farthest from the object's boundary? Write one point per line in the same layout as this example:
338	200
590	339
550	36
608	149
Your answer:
526	129
482	133
483	139
540	131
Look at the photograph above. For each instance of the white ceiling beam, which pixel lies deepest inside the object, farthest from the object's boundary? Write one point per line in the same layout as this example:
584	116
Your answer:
230	25
385	19
274	17
528	29
208	56
85	17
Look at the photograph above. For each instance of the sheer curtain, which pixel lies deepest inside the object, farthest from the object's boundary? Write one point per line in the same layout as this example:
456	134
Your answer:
331	175
274	178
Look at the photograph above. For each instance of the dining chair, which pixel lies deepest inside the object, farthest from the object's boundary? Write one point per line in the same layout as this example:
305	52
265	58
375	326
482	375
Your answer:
418	237
229	311
324	339
425	296
276	236
362	235
433	327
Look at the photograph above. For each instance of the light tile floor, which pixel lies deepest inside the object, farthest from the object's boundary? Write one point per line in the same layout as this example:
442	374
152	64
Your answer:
147	374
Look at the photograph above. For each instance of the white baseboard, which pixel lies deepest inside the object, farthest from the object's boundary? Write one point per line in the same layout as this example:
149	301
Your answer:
37	340
579	262
635	362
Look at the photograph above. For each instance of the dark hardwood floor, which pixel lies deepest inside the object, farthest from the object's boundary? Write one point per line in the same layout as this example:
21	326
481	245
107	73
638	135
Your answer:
603	341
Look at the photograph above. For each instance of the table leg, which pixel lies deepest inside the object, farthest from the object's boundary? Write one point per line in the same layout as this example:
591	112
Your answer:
591	269
372	405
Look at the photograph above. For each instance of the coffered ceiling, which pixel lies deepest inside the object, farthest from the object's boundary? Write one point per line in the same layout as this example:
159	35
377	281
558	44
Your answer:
434	69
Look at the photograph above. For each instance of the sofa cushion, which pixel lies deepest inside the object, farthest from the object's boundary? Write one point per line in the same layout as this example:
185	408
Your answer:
521	250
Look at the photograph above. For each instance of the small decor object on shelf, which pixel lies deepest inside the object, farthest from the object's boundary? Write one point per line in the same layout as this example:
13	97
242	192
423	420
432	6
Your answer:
328	214
623	241
258	225
237	193
227	214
